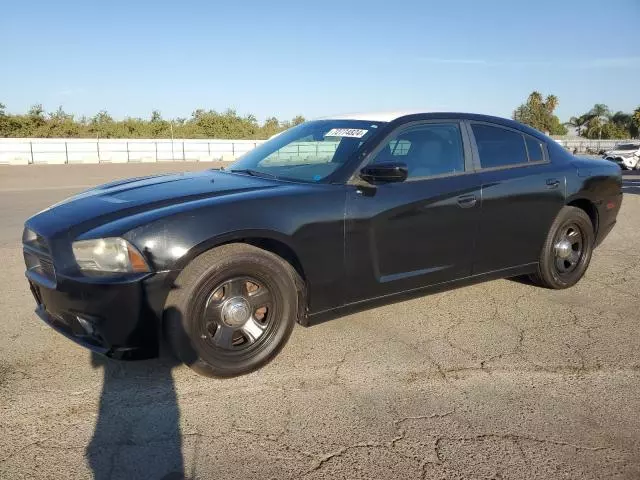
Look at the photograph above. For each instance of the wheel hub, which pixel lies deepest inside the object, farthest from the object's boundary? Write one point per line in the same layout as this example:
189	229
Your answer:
563	249
236	312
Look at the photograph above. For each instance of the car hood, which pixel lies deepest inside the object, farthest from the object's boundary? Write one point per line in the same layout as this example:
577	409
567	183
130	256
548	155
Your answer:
135	195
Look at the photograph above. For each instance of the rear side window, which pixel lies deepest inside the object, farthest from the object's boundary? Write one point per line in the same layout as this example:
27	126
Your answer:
499	147
534	148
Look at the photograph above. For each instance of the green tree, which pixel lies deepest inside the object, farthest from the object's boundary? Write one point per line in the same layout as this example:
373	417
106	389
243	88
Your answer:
577	123
158	127
4	121
101	125
625	124
271	127
201	124
636	119
599	115
59	124
36	116
297	120
538	112
636	116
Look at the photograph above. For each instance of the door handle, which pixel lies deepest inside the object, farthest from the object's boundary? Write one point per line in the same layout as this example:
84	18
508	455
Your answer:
467	201
553	183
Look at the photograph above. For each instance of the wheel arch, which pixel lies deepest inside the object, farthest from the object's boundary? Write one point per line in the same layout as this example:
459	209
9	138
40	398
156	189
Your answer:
589	208
271	241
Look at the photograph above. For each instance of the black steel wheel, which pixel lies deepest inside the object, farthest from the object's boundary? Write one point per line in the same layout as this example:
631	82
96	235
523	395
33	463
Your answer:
232	310
237	314
567	250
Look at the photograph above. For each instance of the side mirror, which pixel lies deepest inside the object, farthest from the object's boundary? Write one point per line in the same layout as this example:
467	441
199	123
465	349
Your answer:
385	172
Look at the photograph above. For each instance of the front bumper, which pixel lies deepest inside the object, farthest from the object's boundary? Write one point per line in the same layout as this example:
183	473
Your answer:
120	320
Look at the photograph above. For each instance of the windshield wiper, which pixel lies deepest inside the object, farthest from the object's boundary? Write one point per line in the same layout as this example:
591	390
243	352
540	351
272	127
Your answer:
253	173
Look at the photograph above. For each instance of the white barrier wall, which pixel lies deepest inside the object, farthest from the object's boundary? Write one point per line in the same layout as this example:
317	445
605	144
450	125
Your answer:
25	151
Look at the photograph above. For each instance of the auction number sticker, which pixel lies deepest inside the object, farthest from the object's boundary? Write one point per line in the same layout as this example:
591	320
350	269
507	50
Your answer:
346	132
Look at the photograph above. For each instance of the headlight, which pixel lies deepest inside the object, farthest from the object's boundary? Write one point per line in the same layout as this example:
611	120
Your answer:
29	236
114	255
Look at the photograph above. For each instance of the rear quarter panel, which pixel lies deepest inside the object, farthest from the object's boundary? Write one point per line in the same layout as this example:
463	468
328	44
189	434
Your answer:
600	182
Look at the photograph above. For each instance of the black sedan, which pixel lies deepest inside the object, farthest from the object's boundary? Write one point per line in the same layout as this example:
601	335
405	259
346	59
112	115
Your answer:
333	214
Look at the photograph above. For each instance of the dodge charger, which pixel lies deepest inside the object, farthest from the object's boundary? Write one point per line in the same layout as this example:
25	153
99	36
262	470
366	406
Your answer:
332	215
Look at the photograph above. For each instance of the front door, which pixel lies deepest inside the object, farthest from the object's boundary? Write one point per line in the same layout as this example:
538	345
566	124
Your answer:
406	235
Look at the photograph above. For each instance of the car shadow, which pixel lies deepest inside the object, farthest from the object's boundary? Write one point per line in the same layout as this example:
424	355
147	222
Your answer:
523	279
137	432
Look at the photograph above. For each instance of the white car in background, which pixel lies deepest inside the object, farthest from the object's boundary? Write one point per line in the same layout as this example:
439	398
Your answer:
627	155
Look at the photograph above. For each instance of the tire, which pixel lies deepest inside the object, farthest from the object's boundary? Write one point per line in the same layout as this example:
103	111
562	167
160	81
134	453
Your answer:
555	271
204	312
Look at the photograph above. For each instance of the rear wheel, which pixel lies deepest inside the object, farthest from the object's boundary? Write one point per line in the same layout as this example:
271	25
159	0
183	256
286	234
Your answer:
567	250
232	310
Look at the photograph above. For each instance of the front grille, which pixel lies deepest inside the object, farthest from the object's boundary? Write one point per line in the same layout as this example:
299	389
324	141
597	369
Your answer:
46	266
39	264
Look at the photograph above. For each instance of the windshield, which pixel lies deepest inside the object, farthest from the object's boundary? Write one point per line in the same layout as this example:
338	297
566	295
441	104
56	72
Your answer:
309	152
627	146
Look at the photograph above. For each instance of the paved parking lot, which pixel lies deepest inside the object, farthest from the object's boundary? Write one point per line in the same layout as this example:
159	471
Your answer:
499	380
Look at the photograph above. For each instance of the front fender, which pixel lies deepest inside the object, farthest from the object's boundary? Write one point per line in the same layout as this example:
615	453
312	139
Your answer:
170	244
228	237
308	223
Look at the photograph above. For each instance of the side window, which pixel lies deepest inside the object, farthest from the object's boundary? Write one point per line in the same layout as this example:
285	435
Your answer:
427	150
499	147
534	148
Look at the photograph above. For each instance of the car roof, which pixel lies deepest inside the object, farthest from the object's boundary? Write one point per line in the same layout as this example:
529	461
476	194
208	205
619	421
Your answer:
373	116
417	115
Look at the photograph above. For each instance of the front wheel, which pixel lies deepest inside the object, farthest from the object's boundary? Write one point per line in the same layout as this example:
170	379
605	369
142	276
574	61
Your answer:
567	250
232	310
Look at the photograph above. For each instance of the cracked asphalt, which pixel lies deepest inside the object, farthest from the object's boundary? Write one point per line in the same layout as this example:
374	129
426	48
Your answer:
494	381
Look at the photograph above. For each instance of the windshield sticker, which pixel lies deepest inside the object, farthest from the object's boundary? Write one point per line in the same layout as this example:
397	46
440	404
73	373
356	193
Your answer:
346	132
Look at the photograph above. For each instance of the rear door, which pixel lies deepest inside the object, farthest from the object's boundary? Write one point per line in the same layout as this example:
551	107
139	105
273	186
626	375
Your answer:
522	192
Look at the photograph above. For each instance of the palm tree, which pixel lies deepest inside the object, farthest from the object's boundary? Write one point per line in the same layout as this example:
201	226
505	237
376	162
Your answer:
577	123
593	128
551	103
602	114
535	98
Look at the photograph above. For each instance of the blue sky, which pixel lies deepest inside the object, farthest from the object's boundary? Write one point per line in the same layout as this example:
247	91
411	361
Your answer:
314	58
